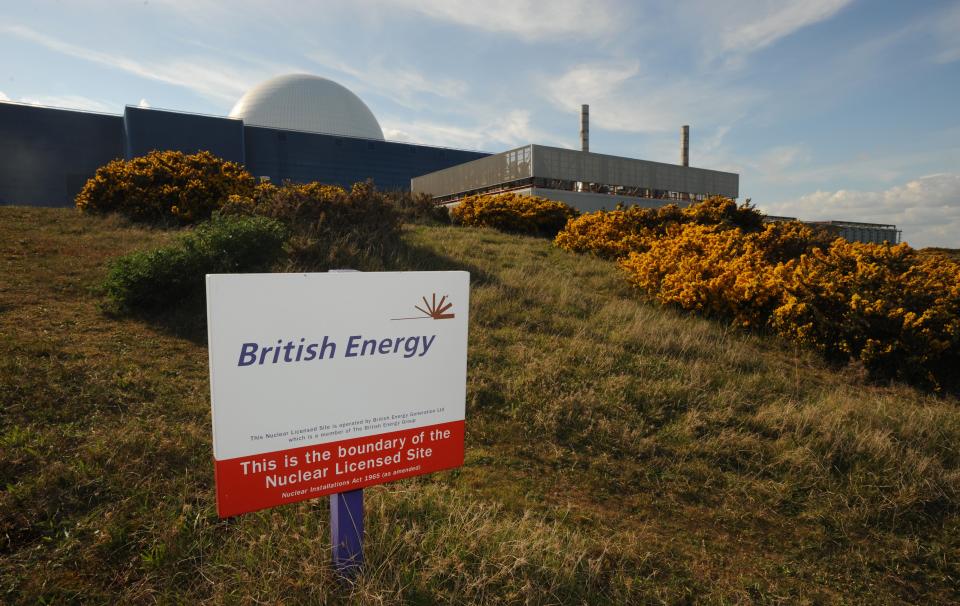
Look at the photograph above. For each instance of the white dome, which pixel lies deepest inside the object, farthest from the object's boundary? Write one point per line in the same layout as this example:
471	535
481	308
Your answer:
310	103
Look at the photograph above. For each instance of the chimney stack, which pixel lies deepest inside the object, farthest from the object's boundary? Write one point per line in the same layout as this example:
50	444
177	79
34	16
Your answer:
585	127
685	145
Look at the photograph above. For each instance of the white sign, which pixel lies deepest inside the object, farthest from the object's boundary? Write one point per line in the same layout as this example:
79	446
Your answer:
321	379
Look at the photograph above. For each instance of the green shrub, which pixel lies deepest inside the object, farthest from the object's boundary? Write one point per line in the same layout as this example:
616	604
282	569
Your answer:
328	226
164	187
514	213
156	280
418	208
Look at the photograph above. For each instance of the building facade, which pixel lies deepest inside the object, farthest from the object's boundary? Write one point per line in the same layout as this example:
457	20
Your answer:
852	231
868	233
47	154
585	180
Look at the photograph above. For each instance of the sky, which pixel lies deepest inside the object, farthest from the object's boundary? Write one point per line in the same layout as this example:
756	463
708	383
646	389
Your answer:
828	109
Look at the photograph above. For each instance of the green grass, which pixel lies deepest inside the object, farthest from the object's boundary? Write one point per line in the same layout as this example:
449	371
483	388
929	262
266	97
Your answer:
617	452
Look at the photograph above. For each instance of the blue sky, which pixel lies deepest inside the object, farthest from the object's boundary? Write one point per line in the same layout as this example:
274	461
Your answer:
828	109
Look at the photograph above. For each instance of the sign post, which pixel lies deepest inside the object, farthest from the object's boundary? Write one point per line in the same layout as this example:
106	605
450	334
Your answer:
323	384
346	531
346	522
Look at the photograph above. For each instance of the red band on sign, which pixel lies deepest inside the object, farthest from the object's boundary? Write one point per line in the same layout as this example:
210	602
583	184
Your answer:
256	482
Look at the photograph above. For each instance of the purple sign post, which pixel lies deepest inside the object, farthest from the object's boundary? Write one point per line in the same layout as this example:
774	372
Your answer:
346	531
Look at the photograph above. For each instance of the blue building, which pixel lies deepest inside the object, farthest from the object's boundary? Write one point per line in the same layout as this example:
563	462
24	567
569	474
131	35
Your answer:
298	128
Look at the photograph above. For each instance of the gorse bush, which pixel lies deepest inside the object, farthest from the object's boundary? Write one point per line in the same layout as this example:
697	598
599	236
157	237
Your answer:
718	272
165	187
514	213
617	233
718	210
895	311
721	272
310	226
328	225
786	240
156	280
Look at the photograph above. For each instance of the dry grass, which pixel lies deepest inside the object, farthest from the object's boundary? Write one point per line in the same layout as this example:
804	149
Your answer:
617	453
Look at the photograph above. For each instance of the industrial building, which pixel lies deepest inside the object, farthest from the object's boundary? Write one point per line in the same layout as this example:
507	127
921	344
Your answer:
853	231
870	233
298	128
585	180
305	128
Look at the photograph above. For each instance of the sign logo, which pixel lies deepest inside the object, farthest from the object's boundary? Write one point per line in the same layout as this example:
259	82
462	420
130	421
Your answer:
432	310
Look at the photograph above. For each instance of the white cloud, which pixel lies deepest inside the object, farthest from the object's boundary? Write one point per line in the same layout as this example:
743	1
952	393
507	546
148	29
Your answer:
801	165
403	84
502	132
63	101
947	34
432	133
209	78
528	20
70	102
775	20
525	19
772	163
621	98
927	209
714	142
728	32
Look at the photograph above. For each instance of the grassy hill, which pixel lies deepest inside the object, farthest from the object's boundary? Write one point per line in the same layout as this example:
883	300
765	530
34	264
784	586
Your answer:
617	452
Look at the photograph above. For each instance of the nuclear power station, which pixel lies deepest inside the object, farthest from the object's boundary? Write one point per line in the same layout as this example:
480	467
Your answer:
305	128
298	127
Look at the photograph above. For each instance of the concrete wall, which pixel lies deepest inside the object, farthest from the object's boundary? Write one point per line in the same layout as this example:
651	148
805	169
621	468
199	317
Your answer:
146	130
302	156
573	165
545	162
512	165
46	155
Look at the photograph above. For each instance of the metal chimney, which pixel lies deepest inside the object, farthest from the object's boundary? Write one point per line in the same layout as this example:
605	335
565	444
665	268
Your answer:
585	127
685	145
